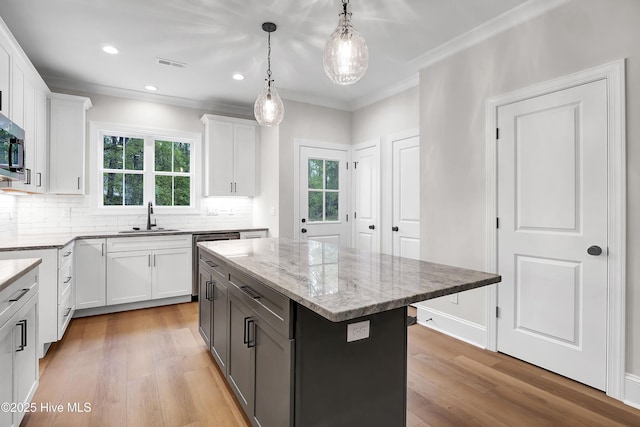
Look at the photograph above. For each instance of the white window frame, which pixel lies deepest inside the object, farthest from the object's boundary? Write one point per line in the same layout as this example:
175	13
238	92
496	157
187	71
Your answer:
150	135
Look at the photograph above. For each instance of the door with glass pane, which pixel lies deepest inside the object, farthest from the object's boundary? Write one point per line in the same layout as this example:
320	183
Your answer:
323	191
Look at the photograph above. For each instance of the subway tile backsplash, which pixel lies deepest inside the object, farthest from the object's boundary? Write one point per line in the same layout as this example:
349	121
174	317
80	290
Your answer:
38	214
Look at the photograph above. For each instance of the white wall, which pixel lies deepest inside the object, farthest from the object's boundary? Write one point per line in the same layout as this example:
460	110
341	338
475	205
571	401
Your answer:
453	92
266	206
7	214
305	121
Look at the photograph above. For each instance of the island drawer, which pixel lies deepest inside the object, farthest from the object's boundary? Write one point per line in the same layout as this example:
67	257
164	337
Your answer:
273	307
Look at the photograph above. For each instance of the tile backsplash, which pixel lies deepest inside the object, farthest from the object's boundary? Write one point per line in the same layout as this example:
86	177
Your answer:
38	214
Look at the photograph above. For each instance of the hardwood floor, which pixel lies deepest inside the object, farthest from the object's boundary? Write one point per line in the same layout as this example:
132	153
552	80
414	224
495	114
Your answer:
150	368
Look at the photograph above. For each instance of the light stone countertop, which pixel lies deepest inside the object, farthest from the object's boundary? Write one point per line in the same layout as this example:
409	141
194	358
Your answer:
342	283
13	242
12	270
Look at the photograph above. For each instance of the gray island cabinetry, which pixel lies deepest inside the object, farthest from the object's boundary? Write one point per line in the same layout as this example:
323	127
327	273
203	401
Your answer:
309	334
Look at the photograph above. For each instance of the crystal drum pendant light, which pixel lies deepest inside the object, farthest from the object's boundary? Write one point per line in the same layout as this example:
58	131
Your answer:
346	56
268	108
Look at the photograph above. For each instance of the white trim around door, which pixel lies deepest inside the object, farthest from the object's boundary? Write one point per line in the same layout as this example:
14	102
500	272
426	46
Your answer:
614	74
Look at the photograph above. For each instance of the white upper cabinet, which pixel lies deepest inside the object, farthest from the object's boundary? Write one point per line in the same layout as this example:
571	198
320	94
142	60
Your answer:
5	73
67	143
230	149
17	95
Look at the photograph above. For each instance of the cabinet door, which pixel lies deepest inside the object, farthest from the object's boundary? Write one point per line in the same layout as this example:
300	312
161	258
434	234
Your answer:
6	373
220	327
204	304
26	354
90	273
273	365
17	95
171	273
41	168
128	277
220	159
5	72
30	152
240	372
244	160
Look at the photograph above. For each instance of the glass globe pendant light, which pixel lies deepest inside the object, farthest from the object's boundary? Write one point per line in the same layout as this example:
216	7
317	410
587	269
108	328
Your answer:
346	56
268	108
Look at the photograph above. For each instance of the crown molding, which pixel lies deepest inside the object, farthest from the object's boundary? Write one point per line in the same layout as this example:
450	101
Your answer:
511	18
209	106
322	101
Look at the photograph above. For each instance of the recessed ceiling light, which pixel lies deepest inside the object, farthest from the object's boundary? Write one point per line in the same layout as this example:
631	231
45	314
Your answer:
150	87
110	49
238	76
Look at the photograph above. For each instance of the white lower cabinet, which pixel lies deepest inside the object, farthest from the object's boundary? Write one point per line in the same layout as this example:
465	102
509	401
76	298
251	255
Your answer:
19	371
145	268
90	273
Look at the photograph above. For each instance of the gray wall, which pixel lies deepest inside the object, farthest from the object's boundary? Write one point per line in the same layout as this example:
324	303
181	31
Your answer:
305	121
578	35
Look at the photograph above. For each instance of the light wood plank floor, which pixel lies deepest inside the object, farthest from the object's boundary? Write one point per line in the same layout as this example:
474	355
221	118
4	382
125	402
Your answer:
150	368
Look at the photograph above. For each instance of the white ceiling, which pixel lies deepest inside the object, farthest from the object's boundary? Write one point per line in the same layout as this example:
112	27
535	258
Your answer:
216	38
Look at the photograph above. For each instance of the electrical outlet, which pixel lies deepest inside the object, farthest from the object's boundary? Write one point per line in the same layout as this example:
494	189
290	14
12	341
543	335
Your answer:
358	331
453	298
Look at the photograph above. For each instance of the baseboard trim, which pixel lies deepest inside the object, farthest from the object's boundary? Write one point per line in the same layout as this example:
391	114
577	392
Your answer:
456	327
130	306
632	390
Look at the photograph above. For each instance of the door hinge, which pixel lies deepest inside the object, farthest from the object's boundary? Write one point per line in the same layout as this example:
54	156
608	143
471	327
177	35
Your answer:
497	133
497	222
498	312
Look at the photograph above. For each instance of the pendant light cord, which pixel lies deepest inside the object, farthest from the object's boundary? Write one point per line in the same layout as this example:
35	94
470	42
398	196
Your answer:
269	58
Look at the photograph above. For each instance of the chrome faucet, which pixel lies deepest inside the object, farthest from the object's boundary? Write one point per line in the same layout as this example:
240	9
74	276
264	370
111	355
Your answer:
149	212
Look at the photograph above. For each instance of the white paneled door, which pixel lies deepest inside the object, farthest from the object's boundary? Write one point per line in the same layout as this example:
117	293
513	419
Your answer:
366	216
552	235
406	197
323	195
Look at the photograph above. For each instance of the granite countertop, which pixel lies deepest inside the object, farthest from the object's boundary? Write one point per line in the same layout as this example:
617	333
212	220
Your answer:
56	241
343	283
12	270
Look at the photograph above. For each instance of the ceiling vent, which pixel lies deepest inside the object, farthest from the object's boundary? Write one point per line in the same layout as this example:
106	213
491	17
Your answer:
171	63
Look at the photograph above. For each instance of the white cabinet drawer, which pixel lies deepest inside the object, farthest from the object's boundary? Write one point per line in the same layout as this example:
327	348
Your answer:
120	244
65	312
65	278
65	254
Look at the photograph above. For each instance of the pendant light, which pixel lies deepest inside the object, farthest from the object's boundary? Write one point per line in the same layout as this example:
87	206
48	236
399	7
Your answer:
346	56
268	108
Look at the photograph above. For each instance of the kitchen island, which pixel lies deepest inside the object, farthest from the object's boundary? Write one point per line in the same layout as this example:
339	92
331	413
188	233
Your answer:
309	334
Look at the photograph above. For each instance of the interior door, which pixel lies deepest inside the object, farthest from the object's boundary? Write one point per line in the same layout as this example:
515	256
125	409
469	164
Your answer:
323	195
552	235
366	216
406	197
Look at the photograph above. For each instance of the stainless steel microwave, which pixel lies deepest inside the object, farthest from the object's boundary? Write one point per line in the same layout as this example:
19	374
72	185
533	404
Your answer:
11	150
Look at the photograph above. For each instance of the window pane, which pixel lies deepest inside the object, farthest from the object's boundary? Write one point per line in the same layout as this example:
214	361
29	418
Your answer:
315	205
112	152
112	189
181	157
333	174
134	154
182	191
315	173
331	208
133	189
164	190
163	156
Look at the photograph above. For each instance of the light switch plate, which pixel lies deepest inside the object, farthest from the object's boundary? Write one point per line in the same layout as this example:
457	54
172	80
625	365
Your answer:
358	331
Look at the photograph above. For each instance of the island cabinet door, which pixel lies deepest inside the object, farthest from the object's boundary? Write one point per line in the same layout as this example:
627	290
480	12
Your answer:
273	377
219	295
240	371
204	304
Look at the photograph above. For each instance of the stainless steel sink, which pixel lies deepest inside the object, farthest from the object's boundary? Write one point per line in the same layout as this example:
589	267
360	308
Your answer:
153	230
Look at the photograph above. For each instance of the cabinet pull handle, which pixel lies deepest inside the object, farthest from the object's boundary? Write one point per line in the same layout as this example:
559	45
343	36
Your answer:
23	334
206	290
101	249
68	311
212	294
245	335
235	187
68	280
231	187
22	293
39	175
66	254
247	290
210	263
154	260
78	183
28	181
251	327
149	260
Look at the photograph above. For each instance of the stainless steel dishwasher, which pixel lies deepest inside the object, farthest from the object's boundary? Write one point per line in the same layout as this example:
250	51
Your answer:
208	237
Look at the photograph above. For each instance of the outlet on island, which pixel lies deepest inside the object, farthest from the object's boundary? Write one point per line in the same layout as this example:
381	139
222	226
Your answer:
358	331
